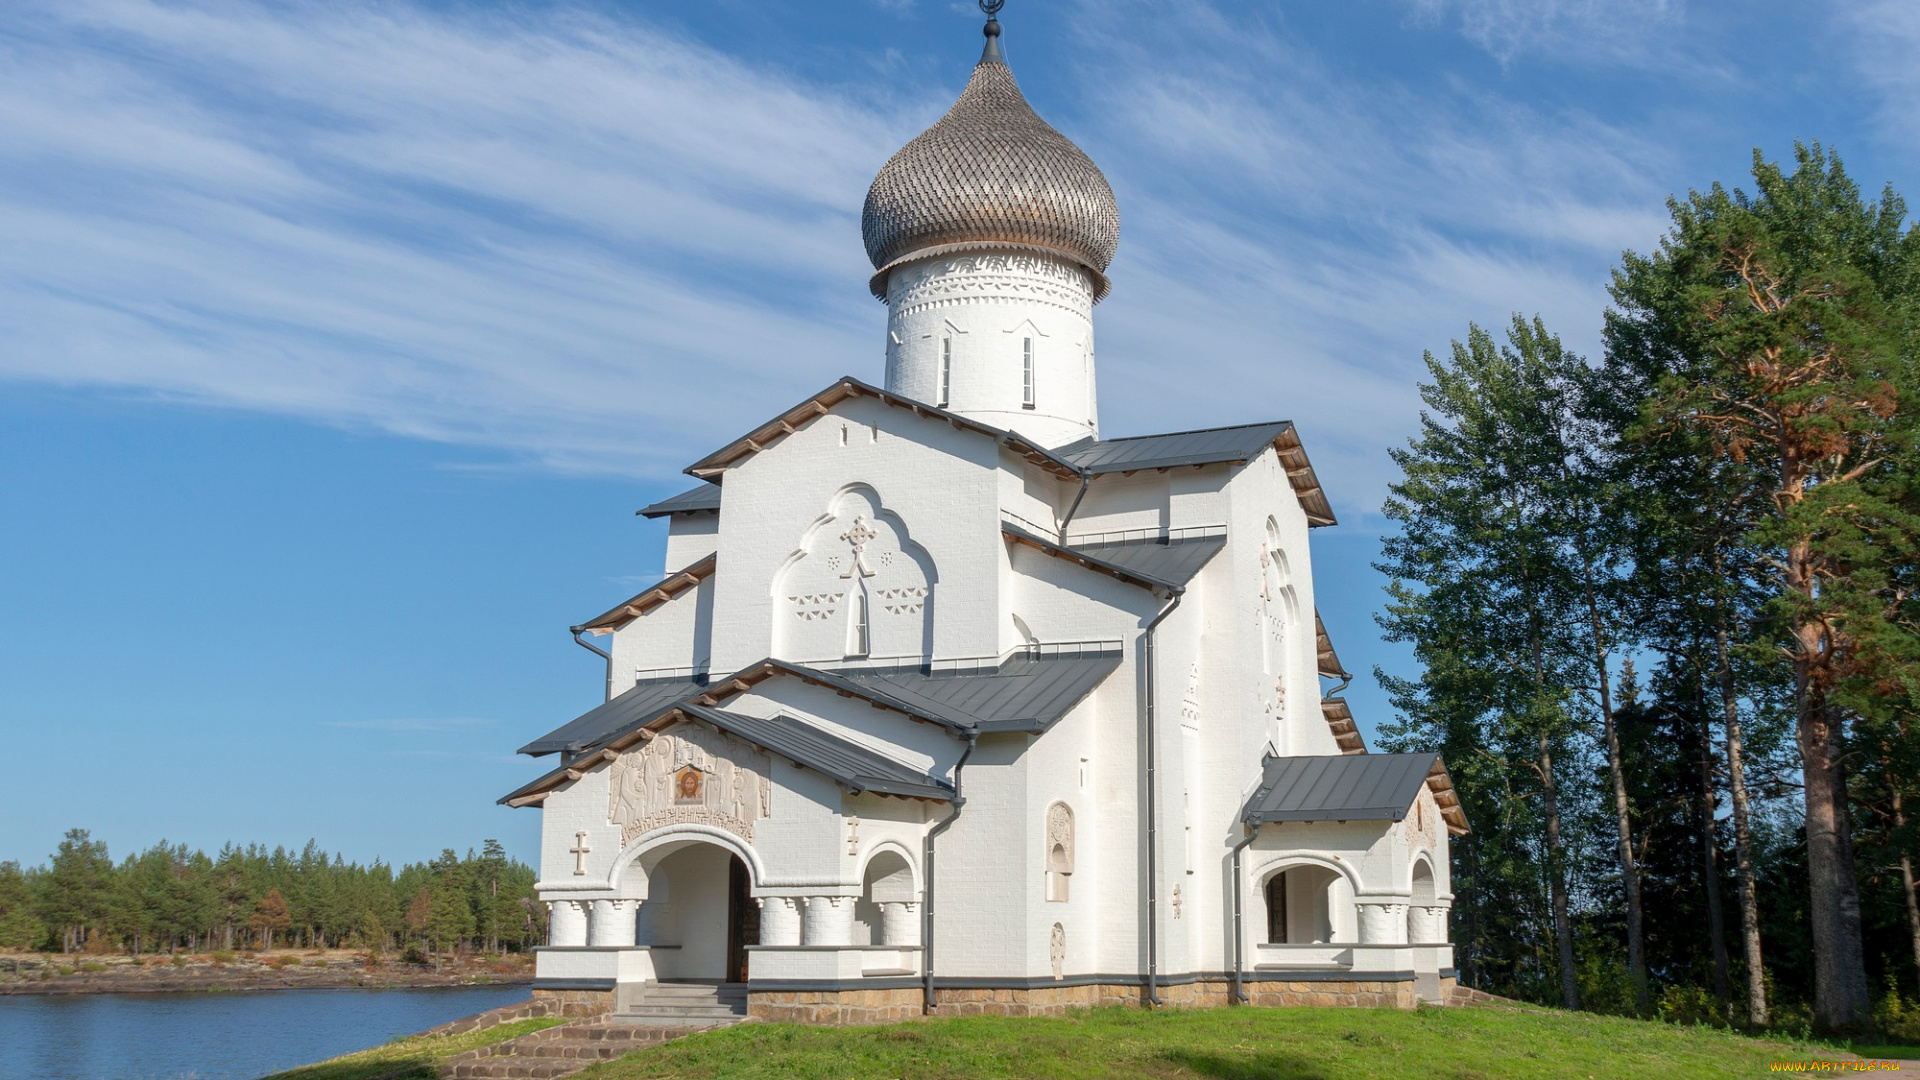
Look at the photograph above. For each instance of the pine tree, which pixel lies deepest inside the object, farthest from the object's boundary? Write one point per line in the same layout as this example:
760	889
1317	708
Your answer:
270	916
1790	312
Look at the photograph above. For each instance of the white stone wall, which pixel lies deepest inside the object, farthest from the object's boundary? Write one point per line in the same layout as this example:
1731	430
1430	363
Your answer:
691	537
677	634
940	482
935	497
983	307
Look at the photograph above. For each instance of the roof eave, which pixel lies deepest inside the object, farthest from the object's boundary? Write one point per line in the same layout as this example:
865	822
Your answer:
1300	474
667	589
1090	562
717	463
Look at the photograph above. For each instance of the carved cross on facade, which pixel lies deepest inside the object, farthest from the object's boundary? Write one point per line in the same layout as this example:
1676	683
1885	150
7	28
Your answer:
858	535
579	852
853	836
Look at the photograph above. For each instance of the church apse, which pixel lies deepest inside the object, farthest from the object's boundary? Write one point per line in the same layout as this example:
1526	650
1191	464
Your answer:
857	587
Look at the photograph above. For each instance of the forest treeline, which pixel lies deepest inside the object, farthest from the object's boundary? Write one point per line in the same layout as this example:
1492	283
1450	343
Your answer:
1666	607
171	897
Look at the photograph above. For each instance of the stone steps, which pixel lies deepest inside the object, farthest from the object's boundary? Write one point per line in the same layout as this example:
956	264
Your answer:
695	1005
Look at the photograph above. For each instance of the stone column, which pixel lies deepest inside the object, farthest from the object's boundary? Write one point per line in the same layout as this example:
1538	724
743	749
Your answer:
612	923
779	920
1427	925
566	924
829	920
900	924
1383	924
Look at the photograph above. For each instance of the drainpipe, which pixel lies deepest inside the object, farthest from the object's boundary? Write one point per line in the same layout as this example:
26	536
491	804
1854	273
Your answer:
1153	822
1085	479
926	871
595	650
1239	919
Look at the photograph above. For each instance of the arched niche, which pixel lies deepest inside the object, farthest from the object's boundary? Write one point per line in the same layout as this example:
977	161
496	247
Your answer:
856	586
1059	852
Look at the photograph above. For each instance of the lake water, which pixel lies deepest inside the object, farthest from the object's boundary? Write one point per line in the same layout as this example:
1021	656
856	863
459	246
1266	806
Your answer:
227	1036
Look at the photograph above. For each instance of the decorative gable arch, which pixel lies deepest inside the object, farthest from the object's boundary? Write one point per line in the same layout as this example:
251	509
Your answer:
857	586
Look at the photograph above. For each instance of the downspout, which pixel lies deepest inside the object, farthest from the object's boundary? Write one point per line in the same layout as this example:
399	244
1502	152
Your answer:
1239	919
1153	823
595	650
1085	479
926	871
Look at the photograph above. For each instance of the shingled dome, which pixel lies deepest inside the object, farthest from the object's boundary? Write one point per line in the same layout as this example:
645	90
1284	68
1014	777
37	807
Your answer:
991	173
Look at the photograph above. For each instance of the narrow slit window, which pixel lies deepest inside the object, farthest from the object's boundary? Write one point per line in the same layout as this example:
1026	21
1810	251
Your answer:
859	639
946	372
1026	372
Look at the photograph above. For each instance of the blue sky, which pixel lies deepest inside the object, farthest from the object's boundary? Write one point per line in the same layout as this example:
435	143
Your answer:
339	341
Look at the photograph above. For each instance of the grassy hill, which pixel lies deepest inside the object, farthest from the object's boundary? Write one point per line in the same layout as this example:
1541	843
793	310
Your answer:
1228	1044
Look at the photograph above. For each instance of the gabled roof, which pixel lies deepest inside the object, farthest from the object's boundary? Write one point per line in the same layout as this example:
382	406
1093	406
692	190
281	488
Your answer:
1029	690
635	707
1208	446
1369	787
704	497
803	744
1087	458
847	762
1329	663
1153	563
1345	731
716	463
649	598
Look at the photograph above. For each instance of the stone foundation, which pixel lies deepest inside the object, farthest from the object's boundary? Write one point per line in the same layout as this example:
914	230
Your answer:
884	1006
573	1004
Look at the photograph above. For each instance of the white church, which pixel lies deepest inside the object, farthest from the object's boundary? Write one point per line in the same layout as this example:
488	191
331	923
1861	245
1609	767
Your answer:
948	703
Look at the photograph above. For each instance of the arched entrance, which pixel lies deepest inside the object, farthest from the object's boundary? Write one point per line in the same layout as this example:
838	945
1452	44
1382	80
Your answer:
699	916
1300	905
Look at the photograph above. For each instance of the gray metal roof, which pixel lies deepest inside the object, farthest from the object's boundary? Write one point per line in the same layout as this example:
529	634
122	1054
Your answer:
826	753
1357	787
646	701
1205	447
1153	563
704	497
1173	561
1028	691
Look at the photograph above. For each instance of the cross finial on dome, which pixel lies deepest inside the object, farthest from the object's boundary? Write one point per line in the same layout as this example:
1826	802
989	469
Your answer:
991	54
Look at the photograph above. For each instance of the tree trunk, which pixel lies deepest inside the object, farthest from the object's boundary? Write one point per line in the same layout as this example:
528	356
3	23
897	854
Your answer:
1907	884
1710	868
1742	832
1557	878
1840	997
1622	812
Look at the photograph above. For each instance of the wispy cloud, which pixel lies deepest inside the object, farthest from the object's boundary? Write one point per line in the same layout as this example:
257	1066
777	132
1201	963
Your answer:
1885	37
1604	30
1302	235
547	234
541	236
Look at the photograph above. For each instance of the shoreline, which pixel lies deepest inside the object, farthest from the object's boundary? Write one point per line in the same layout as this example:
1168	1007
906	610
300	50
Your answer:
54	975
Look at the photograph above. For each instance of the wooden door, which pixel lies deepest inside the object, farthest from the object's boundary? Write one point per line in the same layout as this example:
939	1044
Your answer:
743	920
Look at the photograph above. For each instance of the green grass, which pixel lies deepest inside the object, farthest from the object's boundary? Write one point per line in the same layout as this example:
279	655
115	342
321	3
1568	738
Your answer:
1884	1051
414	1058
1229	1044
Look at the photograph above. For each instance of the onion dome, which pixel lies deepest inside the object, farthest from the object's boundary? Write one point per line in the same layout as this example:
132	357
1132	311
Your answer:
991	174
